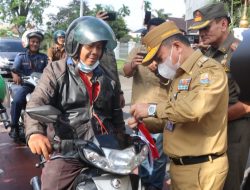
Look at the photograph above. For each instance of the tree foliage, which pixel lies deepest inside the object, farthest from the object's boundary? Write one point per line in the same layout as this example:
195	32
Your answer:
234	8
22	13
66	15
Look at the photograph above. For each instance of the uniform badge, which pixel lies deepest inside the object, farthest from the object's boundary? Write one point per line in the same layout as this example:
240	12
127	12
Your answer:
204	78
183	84
224	63
169	126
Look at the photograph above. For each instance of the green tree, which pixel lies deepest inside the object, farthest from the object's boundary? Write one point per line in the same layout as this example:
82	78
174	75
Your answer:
21	13
161	13
235	8
147	6
66	15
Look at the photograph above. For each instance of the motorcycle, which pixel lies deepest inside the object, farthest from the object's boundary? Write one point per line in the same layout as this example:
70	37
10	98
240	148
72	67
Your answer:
28	82
110	160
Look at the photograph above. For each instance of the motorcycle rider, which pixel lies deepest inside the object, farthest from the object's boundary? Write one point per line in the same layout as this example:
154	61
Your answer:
86	96
24	65
57	51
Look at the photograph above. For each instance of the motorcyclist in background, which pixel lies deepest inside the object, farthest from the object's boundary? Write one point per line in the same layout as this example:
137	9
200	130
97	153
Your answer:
24	65
57	51
88	99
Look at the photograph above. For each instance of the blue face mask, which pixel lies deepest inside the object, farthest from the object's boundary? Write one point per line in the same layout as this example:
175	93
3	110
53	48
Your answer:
87	68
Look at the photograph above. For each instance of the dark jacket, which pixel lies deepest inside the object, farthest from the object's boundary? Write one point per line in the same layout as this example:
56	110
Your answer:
62	87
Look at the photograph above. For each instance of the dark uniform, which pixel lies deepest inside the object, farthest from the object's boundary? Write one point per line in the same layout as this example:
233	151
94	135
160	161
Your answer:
25	64
239	129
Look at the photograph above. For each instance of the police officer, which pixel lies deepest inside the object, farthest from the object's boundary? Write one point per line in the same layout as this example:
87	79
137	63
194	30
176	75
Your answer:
24	65
57	51
195	110
212	21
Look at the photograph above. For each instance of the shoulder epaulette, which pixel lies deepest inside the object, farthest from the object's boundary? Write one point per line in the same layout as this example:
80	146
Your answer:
202	60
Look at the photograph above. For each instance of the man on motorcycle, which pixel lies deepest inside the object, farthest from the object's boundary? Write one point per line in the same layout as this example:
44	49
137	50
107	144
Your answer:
57	51
25	64
86	96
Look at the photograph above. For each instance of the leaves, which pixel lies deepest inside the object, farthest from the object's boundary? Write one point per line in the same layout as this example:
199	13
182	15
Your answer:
67	14
23	12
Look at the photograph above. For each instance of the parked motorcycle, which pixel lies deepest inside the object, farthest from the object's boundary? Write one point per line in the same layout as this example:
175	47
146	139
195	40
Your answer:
110	160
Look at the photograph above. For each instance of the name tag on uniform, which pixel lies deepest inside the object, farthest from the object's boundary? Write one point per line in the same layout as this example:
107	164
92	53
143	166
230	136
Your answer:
25	63
169	126
183	84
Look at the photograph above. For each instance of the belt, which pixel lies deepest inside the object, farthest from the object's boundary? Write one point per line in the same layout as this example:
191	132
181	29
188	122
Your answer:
188	160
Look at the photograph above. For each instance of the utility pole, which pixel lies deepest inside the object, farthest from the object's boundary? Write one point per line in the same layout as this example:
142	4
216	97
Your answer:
81	8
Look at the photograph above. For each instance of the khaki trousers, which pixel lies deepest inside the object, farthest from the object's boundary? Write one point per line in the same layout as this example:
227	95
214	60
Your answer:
209	175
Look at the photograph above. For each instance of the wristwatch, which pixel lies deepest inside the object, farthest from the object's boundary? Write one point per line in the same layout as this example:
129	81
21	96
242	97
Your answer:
152	110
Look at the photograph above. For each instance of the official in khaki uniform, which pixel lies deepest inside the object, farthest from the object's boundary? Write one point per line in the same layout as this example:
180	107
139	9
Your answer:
196	111
212	21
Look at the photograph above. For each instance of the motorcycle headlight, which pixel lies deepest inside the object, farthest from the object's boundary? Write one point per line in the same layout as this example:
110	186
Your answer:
117	161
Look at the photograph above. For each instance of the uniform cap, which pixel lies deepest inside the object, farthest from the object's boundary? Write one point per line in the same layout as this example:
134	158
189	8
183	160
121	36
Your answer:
155	37
205	15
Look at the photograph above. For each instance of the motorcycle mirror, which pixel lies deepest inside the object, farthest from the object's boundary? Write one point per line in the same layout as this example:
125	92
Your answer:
45	114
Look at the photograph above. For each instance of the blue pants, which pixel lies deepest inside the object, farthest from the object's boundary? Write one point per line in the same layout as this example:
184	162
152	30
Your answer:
18	103
156	178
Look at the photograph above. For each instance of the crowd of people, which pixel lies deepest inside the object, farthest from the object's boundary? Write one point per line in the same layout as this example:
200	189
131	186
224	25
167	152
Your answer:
187	98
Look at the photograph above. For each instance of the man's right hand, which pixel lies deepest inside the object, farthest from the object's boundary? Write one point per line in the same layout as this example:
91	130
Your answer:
16	78
137	60
39	144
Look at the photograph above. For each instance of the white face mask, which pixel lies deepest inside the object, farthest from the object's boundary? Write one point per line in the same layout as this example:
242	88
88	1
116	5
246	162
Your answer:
167	69
87	68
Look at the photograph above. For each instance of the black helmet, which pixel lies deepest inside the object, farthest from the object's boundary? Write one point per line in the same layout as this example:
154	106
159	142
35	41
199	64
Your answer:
29	34
86	30
57	34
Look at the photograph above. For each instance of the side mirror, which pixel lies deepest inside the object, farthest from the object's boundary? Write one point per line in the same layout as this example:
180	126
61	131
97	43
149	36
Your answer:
44	114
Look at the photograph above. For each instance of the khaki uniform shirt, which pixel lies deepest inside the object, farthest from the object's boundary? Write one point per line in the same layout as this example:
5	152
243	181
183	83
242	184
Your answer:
223	55
196	109
56	53
146	88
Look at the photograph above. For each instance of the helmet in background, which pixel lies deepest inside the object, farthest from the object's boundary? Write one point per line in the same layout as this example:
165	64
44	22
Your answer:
87	30
57	34
29	34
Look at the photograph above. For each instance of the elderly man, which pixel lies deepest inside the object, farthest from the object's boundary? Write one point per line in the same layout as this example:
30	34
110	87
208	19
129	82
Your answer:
212	21
195	111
